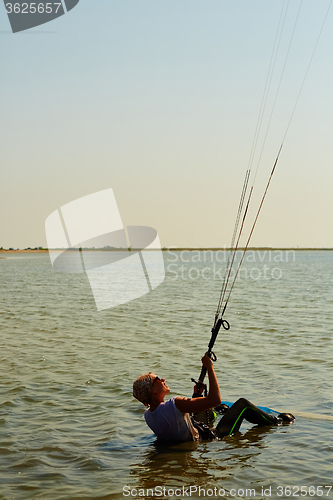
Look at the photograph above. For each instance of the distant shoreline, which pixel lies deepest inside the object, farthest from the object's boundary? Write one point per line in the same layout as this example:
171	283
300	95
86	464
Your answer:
184	249
6	251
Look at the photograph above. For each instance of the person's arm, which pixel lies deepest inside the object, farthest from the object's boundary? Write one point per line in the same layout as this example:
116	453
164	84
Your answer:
195	405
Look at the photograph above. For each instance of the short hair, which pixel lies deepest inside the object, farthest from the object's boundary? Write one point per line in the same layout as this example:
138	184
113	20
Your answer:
142	388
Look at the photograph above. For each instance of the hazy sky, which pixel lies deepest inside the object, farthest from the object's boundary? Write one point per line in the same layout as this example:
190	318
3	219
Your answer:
159	99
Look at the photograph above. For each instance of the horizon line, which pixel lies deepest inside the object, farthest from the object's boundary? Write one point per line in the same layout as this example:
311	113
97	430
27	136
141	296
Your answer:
165	249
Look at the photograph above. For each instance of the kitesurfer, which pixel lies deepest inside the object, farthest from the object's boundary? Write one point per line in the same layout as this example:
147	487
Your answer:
171	419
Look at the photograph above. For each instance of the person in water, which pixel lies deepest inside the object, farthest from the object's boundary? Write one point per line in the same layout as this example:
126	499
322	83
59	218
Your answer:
171	419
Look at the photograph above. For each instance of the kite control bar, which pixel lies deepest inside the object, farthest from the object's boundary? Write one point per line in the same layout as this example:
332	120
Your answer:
215	330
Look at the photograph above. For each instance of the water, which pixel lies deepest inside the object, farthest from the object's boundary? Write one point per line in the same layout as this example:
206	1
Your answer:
69	426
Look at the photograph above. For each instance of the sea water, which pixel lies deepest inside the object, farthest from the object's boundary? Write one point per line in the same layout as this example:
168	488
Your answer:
69	426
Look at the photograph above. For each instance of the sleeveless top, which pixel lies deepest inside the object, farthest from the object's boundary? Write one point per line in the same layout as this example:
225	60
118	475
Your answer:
167	422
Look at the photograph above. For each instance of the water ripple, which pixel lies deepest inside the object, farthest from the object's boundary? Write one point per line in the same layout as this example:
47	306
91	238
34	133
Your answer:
69	427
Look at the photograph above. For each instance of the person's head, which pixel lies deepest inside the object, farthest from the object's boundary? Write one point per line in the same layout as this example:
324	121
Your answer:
147	386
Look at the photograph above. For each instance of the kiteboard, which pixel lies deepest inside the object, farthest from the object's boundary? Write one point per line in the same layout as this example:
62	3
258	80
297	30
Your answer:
314	416
263	408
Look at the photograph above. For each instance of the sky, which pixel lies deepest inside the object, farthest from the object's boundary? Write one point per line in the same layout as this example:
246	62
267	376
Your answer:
159	100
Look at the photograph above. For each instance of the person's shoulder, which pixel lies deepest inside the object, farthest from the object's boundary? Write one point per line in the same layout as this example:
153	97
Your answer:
160	407
173	401
170	403
180	399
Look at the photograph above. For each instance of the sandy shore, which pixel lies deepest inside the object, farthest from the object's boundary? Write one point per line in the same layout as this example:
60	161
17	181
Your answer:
4	252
